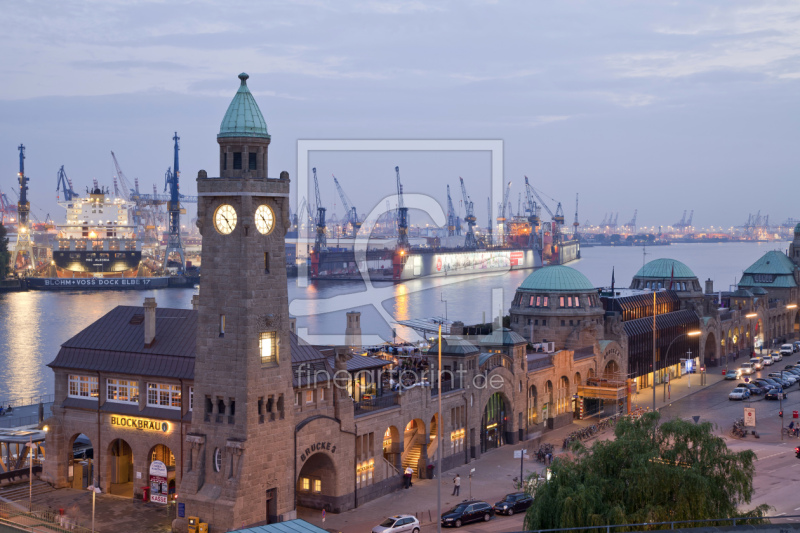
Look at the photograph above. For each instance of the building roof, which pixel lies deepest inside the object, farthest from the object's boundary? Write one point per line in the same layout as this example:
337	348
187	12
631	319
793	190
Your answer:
290	526
684	317
503	337
663	269
557	278
243	118
773	262
454	345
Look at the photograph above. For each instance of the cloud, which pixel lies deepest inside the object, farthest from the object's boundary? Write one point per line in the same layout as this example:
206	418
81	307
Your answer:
128	65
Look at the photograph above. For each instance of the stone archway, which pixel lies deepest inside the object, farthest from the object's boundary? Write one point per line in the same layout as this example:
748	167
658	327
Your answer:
415	447
494	422
710	350
162	490
80	460
611	369
316	483
120	468
533	407
548	409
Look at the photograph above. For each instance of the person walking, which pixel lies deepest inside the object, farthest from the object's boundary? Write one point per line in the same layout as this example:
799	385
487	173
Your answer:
456	485
407	477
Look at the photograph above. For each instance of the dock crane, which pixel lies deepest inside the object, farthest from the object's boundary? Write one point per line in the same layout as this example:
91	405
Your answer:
489	221
321	240
7	209
451	215
575	223
171	183
533	213
501	219
23	252
63	183
470	242
632	224
351	213
402	215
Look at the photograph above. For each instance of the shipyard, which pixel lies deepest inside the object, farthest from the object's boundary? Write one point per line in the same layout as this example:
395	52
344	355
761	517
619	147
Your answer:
461	276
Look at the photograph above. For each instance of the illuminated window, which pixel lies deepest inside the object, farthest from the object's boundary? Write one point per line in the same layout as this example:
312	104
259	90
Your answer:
84	387
545	301
322	395
305	484
317	485
164	395
538	301
267	345
309	397
122	391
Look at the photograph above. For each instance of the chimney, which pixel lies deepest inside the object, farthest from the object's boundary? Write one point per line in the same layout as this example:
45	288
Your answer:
293	324
709	286
352	332
195	302
149	321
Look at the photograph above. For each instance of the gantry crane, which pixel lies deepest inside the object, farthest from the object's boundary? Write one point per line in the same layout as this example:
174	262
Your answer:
501	218
63	183
470	242
352	215
7	209
402	215
171	183
321	240
489	219
575	223
554	226
632	224
23	252
451	215
533	213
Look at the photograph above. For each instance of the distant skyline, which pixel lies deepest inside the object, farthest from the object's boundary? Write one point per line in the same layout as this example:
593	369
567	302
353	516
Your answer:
658	106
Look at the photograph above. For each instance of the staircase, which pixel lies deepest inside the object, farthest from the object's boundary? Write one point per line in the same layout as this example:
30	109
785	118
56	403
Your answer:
21	491
412	459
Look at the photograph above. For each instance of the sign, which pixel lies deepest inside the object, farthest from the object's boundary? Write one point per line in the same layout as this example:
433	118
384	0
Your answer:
144	424
317	447
750	417
181	510
159	489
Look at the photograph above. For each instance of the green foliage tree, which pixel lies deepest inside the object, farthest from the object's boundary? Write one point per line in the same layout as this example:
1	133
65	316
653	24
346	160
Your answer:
677	470
5	255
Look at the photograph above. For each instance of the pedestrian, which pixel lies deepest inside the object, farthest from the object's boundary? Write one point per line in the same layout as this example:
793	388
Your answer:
456	485
407	477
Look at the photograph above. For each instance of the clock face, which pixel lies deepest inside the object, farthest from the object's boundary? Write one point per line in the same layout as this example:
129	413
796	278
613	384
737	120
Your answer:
265	219
225	219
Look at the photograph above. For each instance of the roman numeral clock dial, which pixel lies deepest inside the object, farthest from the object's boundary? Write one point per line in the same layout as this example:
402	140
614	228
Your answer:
225	219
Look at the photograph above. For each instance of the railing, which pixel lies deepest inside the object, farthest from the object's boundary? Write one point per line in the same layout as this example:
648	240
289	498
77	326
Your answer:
25	517
665	525
447	386
376	404
30	400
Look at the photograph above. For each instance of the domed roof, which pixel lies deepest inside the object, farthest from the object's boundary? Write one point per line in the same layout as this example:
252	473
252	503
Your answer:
797	229
663	269
243	118
557	278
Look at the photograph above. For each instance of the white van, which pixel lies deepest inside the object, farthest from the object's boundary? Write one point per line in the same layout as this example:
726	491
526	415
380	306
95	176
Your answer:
745	369
787	349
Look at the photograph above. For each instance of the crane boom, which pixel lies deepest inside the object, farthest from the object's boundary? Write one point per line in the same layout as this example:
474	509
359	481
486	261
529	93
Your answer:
62	182
124	183
402	215
470	241
451	215
351	213
321	240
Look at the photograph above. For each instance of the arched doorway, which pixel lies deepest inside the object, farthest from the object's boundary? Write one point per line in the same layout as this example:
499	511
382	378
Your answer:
533	411
162	488
710	350
120	470
611	370
316	484
563	397
414	446
80	461
493	423
434	439
548	407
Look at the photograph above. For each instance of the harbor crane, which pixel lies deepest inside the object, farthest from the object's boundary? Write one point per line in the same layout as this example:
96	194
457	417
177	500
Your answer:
575	223
632	224
64	183
351	216
7	209
489	221
533	213
554	217
321	240
470	242
402	215
172	184
501	219
451	215
23	252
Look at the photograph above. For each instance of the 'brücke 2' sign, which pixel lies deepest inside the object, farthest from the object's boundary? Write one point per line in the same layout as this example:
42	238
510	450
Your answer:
317	447
139	423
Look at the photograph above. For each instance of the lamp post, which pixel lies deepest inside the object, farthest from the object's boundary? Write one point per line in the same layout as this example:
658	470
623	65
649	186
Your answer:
693	333
95	492
752	338
439	436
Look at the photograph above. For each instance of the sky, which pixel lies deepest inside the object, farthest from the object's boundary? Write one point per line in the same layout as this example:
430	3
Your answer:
658	106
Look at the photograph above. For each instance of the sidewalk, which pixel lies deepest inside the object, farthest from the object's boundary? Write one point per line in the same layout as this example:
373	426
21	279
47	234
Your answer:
678	389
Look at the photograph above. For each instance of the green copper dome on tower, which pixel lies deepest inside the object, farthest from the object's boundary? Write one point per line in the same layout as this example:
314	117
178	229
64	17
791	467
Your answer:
243	118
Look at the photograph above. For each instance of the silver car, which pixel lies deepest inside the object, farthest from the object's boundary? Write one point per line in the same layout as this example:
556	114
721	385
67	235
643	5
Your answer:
398	523
739	393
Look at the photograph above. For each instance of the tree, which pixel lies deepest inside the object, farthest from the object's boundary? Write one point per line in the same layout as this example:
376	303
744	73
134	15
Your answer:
5	256
649	473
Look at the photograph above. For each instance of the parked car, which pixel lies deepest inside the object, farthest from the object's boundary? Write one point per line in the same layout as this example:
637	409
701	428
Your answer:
401	522
767	360
785	376
778	356
775	394
746	368
752	387
739	393
787	349
758	363
765	385
513	503
466	512
783	383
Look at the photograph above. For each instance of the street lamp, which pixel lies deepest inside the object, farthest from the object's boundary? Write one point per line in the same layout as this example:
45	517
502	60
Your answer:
95	492
693	333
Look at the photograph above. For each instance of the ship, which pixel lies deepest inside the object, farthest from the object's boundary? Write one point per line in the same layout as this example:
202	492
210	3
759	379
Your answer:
98	247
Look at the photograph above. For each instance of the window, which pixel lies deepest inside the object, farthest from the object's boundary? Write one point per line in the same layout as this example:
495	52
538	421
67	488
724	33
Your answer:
305	484
164	395
221	325
538	301
562	323
309	397
544	321
545	302
122	391
317	485
251	161
267	347
297	398
569	301
561	301
536	322
237	160
84	387
322	395
530	304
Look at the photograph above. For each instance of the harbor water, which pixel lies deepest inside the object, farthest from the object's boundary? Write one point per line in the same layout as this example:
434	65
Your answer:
34	324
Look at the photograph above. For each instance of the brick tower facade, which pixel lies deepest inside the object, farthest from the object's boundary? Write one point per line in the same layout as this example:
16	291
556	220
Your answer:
239	449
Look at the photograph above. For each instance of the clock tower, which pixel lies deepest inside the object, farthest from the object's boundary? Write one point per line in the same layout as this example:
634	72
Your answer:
239	449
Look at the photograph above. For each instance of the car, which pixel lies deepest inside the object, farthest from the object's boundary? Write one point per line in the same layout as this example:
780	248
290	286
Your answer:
787	349
731	375
757	362
746	368
765	385
785	376
767	360
400	522
793	371
466	512
513	503
796	345
775	394
739	393
784	383
778	356
752	387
